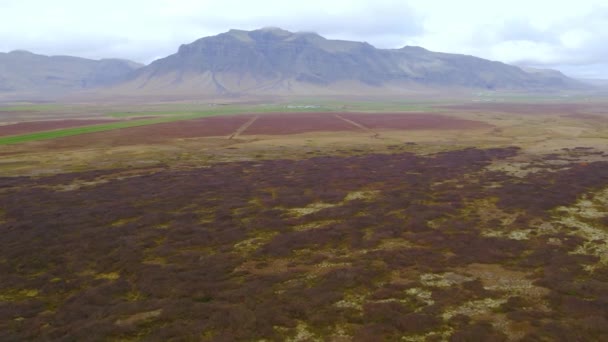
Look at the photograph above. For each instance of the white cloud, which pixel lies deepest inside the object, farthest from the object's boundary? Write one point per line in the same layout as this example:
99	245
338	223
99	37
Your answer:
576	38
541	33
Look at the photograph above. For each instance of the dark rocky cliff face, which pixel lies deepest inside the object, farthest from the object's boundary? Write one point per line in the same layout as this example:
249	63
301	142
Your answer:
267	54
307	57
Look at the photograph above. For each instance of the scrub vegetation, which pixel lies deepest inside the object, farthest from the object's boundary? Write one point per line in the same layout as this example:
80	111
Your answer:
383	246
458	226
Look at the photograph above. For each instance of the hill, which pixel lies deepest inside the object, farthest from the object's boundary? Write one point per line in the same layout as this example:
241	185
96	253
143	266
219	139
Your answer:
23	72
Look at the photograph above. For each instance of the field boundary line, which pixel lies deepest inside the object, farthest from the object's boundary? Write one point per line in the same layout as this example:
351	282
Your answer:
358	125
243	128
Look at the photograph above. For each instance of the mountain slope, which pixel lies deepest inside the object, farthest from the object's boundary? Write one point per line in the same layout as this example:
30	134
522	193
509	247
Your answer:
273	60
23	71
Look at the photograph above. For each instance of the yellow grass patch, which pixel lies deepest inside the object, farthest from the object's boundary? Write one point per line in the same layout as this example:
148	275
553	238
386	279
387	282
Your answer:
18	295
583	217
108	276
252	244
125	221
310	209
139	318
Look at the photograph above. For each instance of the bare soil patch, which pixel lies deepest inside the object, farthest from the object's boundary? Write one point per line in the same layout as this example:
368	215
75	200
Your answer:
39	126
415	121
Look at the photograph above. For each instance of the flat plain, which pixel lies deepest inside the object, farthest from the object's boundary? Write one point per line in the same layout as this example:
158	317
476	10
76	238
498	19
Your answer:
342	220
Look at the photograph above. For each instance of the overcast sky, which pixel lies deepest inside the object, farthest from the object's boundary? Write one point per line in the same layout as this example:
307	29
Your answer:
571	36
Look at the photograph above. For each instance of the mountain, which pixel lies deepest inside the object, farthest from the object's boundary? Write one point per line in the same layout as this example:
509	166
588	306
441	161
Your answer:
26	72
602	83
268	61
553	76
272	60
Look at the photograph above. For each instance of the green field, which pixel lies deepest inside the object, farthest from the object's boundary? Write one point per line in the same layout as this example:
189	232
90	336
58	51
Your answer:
15	139
219	110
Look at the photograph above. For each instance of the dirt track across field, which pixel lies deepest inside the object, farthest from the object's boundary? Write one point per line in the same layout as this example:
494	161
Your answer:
243	128
294	123
411	121
374	134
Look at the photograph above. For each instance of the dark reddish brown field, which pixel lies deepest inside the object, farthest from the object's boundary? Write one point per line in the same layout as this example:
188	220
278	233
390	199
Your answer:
279	124
38	126
266	124
284	123
205	127
412	121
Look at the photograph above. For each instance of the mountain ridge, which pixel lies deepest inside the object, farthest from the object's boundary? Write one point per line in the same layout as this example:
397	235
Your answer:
272	61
